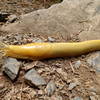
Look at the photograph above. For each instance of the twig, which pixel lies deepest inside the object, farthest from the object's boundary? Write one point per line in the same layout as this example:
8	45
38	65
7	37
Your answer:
72	67
21	89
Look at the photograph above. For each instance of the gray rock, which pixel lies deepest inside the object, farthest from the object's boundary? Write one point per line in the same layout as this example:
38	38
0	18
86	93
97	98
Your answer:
77	98
77	64
72	85
94	61
38	40
12	18
50	88
34	79
11	68
50	39
93	89
92	98
64	18
92	25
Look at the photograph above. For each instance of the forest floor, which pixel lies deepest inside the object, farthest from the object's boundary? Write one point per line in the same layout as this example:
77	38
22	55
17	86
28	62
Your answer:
70	82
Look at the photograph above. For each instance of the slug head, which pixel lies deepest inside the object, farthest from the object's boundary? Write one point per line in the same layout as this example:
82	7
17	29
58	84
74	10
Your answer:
3	49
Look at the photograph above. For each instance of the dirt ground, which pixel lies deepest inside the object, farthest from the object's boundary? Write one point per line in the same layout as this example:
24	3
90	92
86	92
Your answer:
60	70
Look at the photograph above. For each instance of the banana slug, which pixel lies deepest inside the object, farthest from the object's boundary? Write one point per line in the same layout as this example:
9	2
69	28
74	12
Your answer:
39	51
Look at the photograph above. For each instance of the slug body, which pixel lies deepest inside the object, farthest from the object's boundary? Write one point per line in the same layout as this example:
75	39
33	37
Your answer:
51	50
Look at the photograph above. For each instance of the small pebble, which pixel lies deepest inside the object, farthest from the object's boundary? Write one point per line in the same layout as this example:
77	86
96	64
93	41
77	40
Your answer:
11	68
94	61
72	85
38	40
77	98
40	92
50	39
33	78
93	89
77	64
92	98
12	18
50	88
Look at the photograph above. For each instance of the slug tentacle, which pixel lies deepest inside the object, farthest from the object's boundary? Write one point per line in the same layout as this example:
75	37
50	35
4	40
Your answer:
3	48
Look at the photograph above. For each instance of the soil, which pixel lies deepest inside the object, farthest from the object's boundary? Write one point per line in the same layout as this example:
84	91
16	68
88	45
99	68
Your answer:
60	70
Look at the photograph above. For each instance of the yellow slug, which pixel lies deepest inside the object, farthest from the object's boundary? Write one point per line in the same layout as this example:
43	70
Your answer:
49	50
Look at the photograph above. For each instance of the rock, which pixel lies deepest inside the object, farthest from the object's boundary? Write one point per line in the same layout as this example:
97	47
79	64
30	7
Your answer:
32	93
12	18
50	39
93	89
77	64
34	79
71	86
11	68
38	40
92	98
64	18
94	61
40	92
3	16
50	88
77	98
92	25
